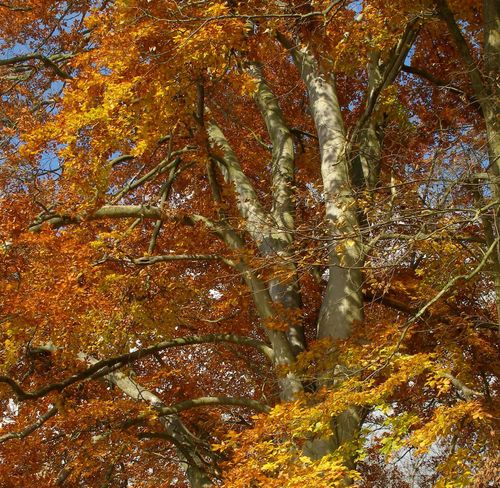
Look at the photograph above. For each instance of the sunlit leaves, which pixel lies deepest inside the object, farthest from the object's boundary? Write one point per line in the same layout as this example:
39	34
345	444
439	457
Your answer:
129	128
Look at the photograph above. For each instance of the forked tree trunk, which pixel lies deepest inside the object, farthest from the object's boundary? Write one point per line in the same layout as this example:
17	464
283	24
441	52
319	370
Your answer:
342	305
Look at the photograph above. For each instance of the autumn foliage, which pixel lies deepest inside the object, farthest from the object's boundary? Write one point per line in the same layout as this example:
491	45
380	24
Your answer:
249	244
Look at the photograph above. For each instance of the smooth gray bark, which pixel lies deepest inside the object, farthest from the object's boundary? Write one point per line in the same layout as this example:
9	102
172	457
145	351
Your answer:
105	212
342	305
283	291
257	222
187	445
283	155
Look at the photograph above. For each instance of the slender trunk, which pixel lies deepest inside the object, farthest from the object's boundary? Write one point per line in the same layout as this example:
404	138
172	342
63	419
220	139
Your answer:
285	288
272	237
289	384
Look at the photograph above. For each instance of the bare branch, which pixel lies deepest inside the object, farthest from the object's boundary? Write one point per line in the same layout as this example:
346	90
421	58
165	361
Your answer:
464	277
205	20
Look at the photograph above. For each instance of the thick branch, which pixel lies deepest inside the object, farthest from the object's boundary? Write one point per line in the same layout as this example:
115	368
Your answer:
31	428
485	88
214	401
105	212
283	152
249	205
476	79
47	61
120	159
103	367
260	226
285	292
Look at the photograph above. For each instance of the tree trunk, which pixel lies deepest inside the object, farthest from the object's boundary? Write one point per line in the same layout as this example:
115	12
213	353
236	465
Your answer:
342	305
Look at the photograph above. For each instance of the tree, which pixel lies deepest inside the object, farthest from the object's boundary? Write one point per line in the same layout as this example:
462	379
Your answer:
249	243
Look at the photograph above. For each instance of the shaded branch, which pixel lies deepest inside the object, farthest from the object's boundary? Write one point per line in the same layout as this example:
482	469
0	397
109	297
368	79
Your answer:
31	428
47	61
211	401
386	73
476	79
434	80
164	195
148	260
160	168
431	78
105	366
